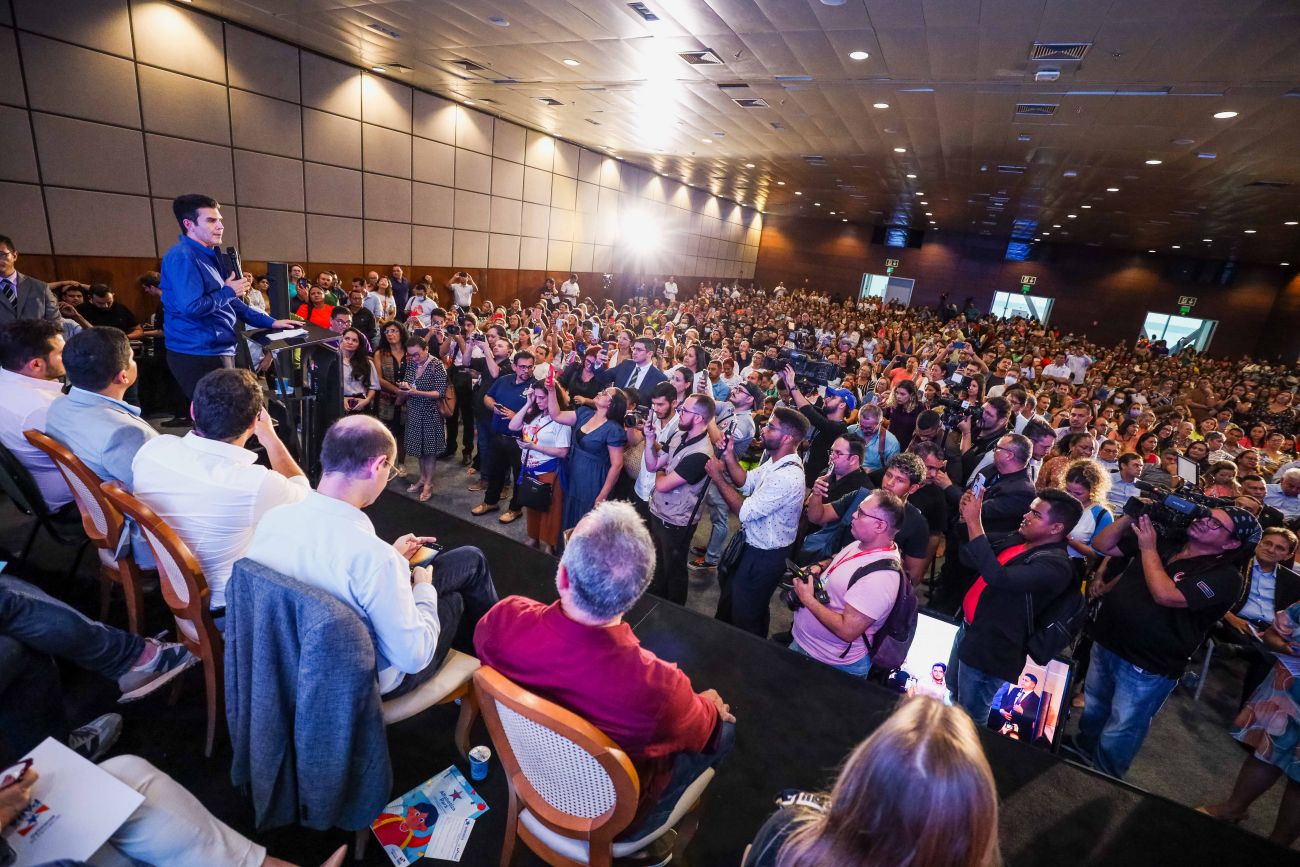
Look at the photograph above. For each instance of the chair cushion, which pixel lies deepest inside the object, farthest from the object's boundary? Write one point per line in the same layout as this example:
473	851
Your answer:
455	672
579	850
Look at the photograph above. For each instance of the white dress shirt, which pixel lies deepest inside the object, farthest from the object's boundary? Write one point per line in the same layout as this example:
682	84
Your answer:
332	545
1289	506
773	503
213	495
664	431
24	400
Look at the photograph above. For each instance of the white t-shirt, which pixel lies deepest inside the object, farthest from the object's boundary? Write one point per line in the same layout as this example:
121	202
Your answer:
544	431
645	480
569	289
1060	371
462	294
421	307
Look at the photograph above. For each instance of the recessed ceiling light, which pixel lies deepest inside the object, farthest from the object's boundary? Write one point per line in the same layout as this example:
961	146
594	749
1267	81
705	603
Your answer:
707	140
378	69
798	193
1250	231
1150	251
1176	247
846	219
499	21
1071	216
780	183
817	204
1056	225
1289	223
919	193
880	105
1284	264
1154	162
858	55
1112	189
1085	206
911	175
1208	240
569	61
1045	234
933	223
900	150
925	203
929	213
1224	115
749	165
469	102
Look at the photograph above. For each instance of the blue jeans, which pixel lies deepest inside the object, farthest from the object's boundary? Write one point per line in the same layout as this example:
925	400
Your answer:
973	690
720	517
861	668
1122	699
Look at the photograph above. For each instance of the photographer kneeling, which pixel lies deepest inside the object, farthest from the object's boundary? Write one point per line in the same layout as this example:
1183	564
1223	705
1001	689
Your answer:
1157	613
842	609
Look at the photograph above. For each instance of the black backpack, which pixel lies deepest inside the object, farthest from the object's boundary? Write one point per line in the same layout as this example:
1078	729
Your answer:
894	637
1059	624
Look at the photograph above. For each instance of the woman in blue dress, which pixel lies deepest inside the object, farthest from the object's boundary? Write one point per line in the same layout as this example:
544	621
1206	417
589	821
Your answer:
596	453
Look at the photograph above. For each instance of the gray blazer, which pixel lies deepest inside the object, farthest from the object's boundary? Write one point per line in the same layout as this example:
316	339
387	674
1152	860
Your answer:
35	301
102	432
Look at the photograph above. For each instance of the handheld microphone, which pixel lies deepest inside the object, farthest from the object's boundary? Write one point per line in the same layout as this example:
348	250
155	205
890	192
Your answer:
232	255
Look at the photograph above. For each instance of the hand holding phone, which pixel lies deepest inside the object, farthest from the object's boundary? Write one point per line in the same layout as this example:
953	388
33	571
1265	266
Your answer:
424	555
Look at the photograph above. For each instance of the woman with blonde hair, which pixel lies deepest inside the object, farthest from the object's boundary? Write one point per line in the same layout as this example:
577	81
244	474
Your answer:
940	808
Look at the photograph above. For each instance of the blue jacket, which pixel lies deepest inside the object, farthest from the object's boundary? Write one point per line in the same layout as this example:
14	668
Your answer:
200	309
302	704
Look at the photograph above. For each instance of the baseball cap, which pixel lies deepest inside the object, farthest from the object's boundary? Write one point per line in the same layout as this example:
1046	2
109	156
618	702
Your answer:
845	395
754	391
1245	528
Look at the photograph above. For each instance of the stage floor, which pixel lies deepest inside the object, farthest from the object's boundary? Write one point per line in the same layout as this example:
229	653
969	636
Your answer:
796	722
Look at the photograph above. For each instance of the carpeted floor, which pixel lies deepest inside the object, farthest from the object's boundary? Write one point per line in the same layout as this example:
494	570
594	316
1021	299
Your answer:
797	721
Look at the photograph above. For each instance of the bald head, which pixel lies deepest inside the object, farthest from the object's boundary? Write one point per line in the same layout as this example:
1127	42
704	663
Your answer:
353	443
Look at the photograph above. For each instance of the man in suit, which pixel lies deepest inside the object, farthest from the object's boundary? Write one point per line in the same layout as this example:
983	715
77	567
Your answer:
639	372
23	297
1015	710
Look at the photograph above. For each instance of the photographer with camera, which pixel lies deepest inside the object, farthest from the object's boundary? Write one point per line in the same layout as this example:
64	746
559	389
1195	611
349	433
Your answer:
838	611
979	435
1157	613
738	415
828	422
679	483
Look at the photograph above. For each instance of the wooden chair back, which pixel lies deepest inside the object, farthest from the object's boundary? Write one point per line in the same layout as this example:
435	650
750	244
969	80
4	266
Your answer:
561	768
102	520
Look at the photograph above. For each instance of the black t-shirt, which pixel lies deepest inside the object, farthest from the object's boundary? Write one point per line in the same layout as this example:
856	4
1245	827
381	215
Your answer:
1160	639
933	507
118	316
912	539
825	432
772	835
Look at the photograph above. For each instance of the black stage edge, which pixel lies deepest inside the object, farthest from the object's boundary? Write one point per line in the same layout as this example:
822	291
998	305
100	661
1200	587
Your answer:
796	721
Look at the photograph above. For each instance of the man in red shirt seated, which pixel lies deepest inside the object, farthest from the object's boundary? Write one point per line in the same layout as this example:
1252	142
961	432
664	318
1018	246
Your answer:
579	653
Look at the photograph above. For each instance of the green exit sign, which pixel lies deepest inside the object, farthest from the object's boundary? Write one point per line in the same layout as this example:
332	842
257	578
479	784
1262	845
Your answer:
1183	311
889	271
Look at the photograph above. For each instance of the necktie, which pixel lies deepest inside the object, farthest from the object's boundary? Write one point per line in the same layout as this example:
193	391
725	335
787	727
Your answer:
10	294
634	380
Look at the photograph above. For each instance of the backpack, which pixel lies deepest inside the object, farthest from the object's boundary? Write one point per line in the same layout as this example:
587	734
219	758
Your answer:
1061	622
894	637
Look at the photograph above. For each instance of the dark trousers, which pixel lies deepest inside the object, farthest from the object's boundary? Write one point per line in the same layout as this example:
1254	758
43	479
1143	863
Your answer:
672	547
398	430
747	586
503	462
465	593
687	768
643	509
189	369
462	420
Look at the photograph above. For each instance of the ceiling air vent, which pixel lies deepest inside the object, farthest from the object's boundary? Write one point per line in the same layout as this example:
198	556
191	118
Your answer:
383	30
1059	50
468	65
814	159
592	122
1011	170
751	102
704	57
643	10
776	124
548	100
1268	185
1036	109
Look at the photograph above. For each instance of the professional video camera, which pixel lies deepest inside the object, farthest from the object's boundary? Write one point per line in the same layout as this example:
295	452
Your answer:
795	573
809	370
1172	511
954	410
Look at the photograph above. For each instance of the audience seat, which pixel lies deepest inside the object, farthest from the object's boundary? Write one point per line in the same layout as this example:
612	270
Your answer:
64	528
186	593
572	790
104	525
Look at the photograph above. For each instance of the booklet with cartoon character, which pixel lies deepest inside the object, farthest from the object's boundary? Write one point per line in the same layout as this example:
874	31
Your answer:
75	808
433	820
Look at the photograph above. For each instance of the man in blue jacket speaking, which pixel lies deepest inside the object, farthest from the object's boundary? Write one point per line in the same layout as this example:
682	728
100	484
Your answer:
201	305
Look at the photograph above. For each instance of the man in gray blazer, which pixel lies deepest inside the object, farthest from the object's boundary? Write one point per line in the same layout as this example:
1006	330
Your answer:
22	297
94	420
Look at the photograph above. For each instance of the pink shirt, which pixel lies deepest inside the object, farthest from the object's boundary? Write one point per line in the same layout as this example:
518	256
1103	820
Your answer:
643	704
872	595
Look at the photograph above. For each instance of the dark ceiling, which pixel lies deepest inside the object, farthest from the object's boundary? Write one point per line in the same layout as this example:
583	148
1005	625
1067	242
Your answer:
788	121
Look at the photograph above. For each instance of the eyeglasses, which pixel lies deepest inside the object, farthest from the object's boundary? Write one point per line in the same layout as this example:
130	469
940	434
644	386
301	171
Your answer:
392	470
881	521
1210	519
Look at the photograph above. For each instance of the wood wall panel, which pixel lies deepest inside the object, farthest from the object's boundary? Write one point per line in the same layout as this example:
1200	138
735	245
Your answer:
1105	293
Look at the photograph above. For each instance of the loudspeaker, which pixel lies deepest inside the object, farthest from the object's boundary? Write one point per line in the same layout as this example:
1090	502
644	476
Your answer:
277	274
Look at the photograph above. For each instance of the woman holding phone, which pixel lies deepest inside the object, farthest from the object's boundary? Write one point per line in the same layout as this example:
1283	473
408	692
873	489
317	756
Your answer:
544	444
422	387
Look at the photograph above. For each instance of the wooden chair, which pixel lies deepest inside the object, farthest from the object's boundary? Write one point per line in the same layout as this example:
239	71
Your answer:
572	790
17	482
186	592
104	526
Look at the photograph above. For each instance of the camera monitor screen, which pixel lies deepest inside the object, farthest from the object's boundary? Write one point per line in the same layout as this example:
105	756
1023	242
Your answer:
1032	710
1188	471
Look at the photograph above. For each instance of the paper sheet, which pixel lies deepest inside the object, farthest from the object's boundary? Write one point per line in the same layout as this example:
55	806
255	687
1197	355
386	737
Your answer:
76	808
433	820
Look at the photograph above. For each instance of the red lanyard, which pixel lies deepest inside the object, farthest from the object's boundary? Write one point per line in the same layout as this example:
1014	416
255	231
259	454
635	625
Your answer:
851	557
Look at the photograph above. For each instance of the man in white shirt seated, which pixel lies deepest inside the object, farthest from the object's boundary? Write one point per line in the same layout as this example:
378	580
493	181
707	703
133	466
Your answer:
31	362
1285	495
1123	483
414	615
207	486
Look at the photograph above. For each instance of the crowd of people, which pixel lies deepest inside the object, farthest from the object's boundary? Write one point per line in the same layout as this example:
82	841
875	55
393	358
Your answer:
1024	467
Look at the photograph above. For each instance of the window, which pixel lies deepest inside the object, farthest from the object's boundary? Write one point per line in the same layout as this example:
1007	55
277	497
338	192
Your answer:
1179	332
887	289
1008	304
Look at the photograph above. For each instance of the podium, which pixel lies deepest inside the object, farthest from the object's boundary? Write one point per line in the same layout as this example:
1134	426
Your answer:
305	407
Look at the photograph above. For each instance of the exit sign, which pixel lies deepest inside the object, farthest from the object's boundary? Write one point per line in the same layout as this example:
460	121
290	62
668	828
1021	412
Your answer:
1187	301
891	263
1028	280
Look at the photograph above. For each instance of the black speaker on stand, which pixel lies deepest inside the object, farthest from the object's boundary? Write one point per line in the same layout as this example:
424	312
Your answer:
277	274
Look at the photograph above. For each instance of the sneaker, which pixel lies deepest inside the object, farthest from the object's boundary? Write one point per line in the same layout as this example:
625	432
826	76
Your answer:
698	551
508	517
178	421
701	563
476	486
96	737
167	664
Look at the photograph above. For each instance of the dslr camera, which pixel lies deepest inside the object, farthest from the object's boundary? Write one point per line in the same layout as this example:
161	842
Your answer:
954	410
795	573
1172	511
451	329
